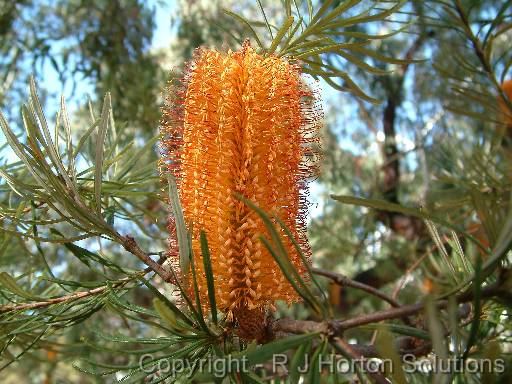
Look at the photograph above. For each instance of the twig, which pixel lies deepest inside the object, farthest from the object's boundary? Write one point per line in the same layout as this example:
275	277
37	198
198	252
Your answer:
402	281
71	297
479	49
129	243
338	326
347	282
288	325
350	352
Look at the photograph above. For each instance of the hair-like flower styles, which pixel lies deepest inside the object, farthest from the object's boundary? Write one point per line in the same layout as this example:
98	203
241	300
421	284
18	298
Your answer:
247	124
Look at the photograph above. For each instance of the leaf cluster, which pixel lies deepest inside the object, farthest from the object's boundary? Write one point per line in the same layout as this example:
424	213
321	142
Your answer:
314	35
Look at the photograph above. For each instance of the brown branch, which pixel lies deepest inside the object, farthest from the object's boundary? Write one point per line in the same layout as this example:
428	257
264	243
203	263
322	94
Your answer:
365	115
405	225
129	243
347	282
287	325
62	299
408	345
337	327
391	167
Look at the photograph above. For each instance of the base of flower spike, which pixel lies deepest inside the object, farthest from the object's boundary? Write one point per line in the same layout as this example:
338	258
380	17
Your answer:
252	324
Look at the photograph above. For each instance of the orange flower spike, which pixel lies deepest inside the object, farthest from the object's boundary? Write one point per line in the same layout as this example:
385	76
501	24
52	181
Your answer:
507	89
505	110
244	124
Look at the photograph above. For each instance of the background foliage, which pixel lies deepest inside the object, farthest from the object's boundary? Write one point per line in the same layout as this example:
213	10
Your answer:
413	198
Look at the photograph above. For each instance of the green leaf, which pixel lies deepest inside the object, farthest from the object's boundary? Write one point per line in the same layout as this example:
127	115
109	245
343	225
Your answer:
33	212
362	64
69	141
391	207
84	138
99	157
384	59
47	143
209	275
365	36
314	370
434	234
364	17
19	149
185	295
305	261
399	329
350	86
132	160
336	12
251	378
321	11
265	18
462	261
485	117
167	302
84	255
435	328
319	49
166	314
297	361
501	249
245	22
181	229
8	282
199	306
266	352
280	34
386	348
477	293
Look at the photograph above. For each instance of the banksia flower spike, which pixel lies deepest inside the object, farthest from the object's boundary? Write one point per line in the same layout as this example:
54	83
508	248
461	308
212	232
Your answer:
505	109
247	124
507	89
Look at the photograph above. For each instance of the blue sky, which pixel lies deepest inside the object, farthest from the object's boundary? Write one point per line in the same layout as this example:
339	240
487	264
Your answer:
50	81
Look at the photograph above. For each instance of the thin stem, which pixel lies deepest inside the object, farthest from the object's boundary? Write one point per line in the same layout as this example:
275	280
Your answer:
129	243
479	51
62	299
74	296
348	350
347	282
